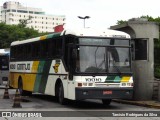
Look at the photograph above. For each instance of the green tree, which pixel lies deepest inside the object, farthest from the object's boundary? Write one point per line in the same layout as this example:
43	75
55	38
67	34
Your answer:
23	22
151	19
10	33
121	22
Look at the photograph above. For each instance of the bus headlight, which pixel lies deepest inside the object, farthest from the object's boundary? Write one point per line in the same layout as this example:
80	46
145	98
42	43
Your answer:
127	84
85	84
79	84
123	84
90	84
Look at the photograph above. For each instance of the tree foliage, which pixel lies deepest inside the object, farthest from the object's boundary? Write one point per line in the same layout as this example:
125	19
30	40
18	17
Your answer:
149	18
121	22
10	33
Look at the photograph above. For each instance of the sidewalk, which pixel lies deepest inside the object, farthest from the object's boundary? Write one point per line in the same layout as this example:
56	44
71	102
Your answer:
151	104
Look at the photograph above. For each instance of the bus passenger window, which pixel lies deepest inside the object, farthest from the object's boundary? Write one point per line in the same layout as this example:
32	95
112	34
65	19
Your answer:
44	49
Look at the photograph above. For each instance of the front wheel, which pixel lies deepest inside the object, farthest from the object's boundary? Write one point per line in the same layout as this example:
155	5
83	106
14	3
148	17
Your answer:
106	101
61	98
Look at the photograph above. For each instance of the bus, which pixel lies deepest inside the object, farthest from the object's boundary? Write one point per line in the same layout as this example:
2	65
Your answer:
4	66
74	64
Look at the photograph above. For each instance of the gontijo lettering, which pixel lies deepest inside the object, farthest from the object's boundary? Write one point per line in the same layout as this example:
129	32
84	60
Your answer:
23	66
12	66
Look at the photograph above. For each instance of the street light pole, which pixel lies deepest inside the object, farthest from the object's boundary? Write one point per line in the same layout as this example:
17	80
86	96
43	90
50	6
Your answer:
86	17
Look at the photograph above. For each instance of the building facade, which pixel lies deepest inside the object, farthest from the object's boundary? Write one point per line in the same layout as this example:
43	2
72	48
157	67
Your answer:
13	12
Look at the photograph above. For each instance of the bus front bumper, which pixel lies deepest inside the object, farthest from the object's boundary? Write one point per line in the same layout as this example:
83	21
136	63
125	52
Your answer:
103	93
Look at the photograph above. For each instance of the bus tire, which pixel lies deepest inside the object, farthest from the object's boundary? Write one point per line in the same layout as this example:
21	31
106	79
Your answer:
20	88
106	101
61	98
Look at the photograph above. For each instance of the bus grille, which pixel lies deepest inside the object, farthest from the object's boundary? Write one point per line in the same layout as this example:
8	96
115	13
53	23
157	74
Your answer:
107	85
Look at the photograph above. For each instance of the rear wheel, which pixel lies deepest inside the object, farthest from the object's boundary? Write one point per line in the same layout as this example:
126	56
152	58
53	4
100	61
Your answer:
106	101
20	88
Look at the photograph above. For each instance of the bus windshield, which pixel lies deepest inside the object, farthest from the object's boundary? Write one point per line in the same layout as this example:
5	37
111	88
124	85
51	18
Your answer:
97	55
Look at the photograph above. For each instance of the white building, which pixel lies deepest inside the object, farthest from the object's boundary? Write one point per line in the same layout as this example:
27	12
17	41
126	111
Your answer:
11	12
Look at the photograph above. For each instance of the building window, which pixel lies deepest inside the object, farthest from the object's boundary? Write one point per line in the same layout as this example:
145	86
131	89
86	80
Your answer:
31	12
13	10
22	11
8	10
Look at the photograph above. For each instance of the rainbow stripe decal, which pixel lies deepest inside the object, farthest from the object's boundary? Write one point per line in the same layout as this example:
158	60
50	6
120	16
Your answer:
49	36
117	79
42	76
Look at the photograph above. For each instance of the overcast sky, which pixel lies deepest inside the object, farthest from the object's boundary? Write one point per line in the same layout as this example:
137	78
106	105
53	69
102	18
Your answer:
103	13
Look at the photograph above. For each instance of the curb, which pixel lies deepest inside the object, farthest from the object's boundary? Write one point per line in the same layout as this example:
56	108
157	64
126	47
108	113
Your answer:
150	104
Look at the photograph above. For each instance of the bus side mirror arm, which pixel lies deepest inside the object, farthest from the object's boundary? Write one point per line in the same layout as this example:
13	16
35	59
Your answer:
70	73
70	76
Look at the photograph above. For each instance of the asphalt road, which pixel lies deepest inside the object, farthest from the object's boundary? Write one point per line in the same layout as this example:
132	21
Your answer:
88	109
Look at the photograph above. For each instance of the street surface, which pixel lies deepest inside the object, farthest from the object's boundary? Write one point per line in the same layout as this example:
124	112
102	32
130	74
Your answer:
86	110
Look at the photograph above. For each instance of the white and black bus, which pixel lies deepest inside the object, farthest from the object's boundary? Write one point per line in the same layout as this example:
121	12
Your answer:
74	64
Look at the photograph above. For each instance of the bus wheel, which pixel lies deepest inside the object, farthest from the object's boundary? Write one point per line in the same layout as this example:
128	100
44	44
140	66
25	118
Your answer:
21	91
61	94
106	101
20	86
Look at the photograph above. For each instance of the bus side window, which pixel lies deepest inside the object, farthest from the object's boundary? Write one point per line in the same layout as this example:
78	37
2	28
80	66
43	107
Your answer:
19	54
51	48
23	55
28	51
13	51
36	50
44	49
58	47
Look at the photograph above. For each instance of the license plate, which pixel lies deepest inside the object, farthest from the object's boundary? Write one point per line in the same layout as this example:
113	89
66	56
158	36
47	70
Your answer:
107	92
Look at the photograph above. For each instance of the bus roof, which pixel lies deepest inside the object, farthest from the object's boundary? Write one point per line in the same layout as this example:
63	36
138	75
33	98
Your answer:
78	32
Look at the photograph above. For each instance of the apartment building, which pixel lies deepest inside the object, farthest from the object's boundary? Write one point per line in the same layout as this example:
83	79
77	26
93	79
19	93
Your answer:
12	12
